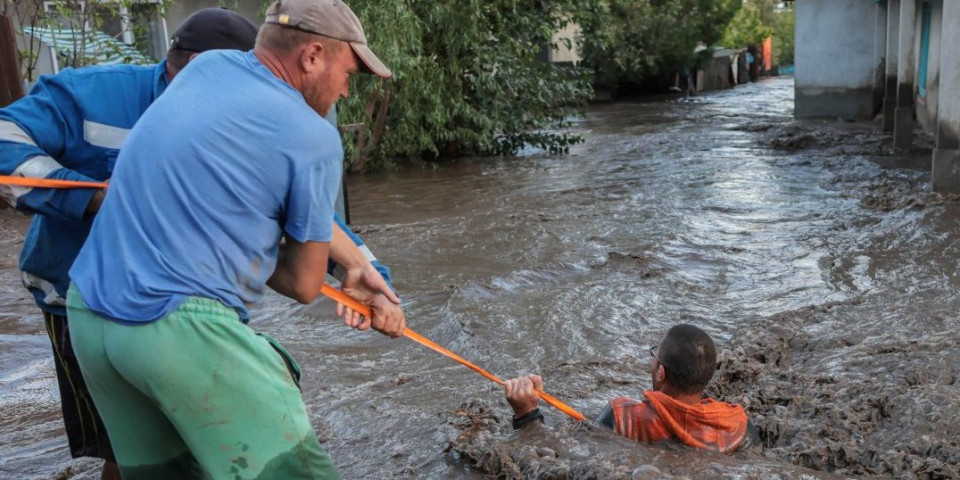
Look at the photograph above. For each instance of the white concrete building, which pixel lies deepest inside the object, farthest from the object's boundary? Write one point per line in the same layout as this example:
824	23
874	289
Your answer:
858	58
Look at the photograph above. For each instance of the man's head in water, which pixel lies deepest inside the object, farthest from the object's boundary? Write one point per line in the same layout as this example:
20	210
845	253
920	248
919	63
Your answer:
684	362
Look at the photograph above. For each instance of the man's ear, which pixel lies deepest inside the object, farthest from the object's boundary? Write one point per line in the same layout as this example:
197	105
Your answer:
661	374
311	57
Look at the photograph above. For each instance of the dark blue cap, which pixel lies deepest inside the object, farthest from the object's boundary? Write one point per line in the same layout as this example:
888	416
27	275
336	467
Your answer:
214	29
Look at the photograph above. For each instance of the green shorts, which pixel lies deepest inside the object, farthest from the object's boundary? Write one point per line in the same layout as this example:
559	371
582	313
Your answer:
196	394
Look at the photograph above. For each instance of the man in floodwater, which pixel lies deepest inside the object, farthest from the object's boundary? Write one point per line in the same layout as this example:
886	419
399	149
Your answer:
225	186
682	366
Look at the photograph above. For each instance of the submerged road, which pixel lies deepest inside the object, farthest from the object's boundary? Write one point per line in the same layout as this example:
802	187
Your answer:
829	283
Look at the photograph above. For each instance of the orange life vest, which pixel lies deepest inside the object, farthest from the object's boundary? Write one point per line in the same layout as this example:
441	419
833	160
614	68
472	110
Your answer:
711	425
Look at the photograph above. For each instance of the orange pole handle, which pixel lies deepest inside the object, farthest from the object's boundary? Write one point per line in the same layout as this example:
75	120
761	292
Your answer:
48	182
340	297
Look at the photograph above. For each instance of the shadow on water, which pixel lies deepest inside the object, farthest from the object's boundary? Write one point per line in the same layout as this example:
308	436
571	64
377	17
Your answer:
827	279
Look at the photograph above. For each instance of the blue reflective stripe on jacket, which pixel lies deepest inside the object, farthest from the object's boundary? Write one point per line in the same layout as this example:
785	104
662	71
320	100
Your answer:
70	126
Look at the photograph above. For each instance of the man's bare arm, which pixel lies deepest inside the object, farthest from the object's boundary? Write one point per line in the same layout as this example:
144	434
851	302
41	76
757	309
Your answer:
299	266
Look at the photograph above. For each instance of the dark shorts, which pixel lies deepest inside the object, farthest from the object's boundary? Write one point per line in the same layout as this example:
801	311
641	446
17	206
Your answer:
85	430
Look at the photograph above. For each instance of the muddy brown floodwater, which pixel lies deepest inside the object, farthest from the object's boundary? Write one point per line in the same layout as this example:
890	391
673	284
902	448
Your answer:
826	270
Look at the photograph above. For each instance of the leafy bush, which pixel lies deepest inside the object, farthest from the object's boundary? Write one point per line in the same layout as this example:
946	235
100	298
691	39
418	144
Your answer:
759	19
627	41
469	78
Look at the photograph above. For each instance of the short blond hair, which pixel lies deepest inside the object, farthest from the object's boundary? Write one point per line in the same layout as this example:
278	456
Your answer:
283	40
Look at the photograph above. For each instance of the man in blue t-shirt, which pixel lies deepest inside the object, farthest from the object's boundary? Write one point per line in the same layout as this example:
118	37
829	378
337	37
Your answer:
224	187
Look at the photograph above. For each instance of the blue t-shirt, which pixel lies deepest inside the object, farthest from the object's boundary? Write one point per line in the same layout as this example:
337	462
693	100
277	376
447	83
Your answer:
223	163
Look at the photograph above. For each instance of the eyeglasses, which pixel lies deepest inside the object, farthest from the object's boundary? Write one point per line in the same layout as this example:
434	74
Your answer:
653	353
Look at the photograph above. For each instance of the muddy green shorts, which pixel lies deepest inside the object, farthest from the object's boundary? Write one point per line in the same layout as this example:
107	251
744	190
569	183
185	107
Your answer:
196	394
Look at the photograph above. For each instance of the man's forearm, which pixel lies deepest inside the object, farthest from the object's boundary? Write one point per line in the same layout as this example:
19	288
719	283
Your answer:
95	201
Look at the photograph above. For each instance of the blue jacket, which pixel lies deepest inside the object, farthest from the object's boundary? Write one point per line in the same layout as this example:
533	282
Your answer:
71	127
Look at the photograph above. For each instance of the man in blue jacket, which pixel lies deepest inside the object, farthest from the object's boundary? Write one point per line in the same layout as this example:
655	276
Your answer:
71	127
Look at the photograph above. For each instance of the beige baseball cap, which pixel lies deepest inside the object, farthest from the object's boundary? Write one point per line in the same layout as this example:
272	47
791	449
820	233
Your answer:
330	18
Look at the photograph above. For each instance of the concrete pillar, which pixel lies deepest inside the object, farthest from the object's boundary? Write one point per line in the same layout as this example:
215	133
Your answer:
946	155
903	122
835	64
893	53
126	26
879	56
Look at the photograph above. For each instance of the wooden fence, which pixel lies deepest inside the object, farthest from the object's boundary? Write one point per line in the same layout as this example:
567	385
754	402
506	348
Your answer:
11	85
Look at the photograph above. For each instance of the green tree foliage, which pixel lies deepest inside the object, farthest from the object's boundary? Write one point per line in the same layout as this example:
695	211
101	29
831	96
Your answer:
784	29
626	41
746	28
469	78
759	19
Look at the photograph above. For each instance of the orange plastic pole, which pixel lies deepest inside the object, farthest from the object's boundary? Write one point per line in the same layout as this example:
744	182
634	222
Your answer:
48	182
327	290
340	297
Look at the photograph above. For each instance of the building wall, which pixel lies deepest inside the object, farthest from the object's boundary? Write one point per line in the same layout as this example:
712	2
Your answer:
948	113
563	54
879	58
718	72
927	107
834	58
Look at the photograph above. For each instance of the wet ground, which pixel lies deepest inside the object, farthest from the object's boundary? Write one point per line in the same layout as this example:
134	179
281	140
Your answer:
816	257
